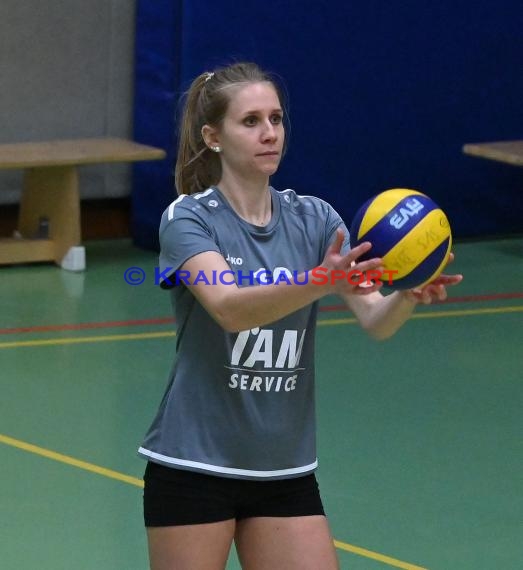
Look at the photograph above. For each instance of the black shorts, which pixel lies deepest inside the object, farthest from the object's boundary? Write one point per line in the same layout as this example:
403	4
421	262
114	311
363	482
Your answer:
177	497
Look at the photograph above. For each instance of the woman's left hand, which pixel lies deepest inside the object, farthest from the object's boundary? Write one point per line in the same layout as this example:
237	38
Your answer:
435	290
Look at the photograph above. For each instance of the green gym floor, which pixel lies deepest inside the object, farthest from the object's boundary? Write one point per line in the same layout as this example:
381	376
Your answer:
419	436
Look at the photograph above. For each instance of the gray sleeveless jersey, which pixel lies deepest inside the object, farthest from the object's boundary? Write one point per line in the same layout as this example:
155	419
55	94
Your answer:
241	404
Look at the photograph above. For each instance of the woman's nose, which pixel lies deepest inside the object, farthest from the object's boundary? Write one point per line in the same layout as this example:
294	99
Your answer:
269	133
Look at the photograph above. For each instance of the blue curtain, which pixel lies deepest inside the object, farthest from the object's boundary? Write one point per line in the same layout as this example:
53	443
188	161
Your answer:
382	95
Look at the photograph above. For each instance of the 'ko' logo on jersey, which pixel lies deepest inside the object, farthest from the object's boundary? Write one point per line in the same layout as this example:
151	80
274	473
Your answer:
234	260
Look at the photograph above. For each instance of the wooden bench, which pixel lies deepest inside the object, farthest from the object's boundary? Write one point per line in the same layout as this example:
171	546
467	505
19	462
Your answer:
510	152
51	195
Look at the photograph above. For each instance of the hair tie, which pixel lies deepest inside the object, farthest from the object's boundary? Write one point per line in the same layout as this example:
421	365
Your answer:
210	75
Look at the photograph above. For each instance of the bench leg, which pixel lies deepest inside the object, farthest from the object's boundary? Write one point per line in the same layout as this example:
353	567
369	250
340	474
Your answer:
52	193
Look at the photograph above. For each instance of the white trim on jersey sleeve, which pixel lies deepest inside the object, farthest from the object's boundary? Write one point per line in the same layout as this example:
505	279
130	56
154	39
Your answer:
227	470
170	210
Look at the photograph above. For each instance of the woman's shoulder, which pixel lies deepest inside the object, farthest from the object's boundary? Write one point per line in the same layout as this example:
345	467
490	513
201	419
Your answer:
199	207
303	204
208	199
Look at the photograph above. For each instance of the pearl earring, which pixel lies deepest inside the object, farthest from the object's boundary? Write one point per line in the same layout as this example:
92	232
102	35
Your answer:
216	148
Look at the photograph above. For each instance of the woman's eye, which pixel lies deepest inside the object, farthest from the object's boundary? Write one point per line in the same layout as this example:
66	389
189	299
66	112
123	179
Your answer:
276	119
250	121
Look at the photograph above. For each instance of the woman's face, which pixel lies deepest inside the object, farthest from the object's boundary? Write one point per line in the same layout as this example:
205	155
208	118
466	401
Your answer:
251	136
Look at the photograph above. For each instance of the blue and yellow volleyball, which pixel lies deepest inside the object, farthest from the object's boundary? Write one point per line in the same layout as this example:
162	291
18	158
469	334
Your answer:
408	231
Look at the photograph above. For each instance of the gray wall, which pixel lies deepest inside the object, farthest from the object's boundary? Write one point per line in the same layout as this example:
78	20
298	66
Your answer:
66	71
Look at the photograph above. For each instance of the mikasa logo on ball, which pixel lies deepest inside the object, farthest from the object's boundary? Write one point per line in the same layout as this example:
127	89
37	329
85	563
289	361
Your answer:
412	207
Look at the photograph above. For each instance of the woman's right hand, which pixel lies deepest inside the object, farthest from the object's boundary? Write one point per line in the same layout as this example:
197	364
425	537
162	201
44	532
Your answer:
347	275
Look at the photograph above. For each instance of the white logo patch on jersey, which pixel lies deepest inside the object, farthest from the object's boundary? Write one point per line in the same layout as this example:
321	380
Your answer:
280	362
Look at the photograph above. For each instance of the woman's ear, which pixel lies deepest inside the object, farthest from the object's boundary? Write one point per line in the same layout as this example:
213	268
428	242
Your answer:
210	136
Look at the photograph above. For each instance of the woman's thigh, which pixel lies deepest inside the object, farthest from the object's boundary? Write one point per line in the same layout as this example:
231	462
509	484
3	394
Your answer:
190	547
285	543
189	519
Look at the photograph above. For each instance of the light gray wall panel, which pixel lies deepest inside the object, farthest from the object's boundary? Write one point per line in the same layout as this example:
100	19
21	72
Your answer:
66	71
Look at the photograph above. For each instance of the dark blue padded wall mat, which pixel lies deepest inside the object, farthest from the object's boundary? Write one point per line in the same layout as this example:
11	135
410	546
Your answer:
158	57
382	95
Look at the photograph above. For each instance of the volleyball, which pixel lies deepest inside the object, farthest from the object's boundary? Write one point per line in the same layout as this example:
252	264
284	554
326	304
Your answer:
408	231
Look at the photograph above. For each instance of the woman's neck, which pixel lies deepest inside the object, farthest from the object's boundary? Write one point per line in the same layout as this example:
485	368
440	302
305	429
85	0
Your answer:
251	200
